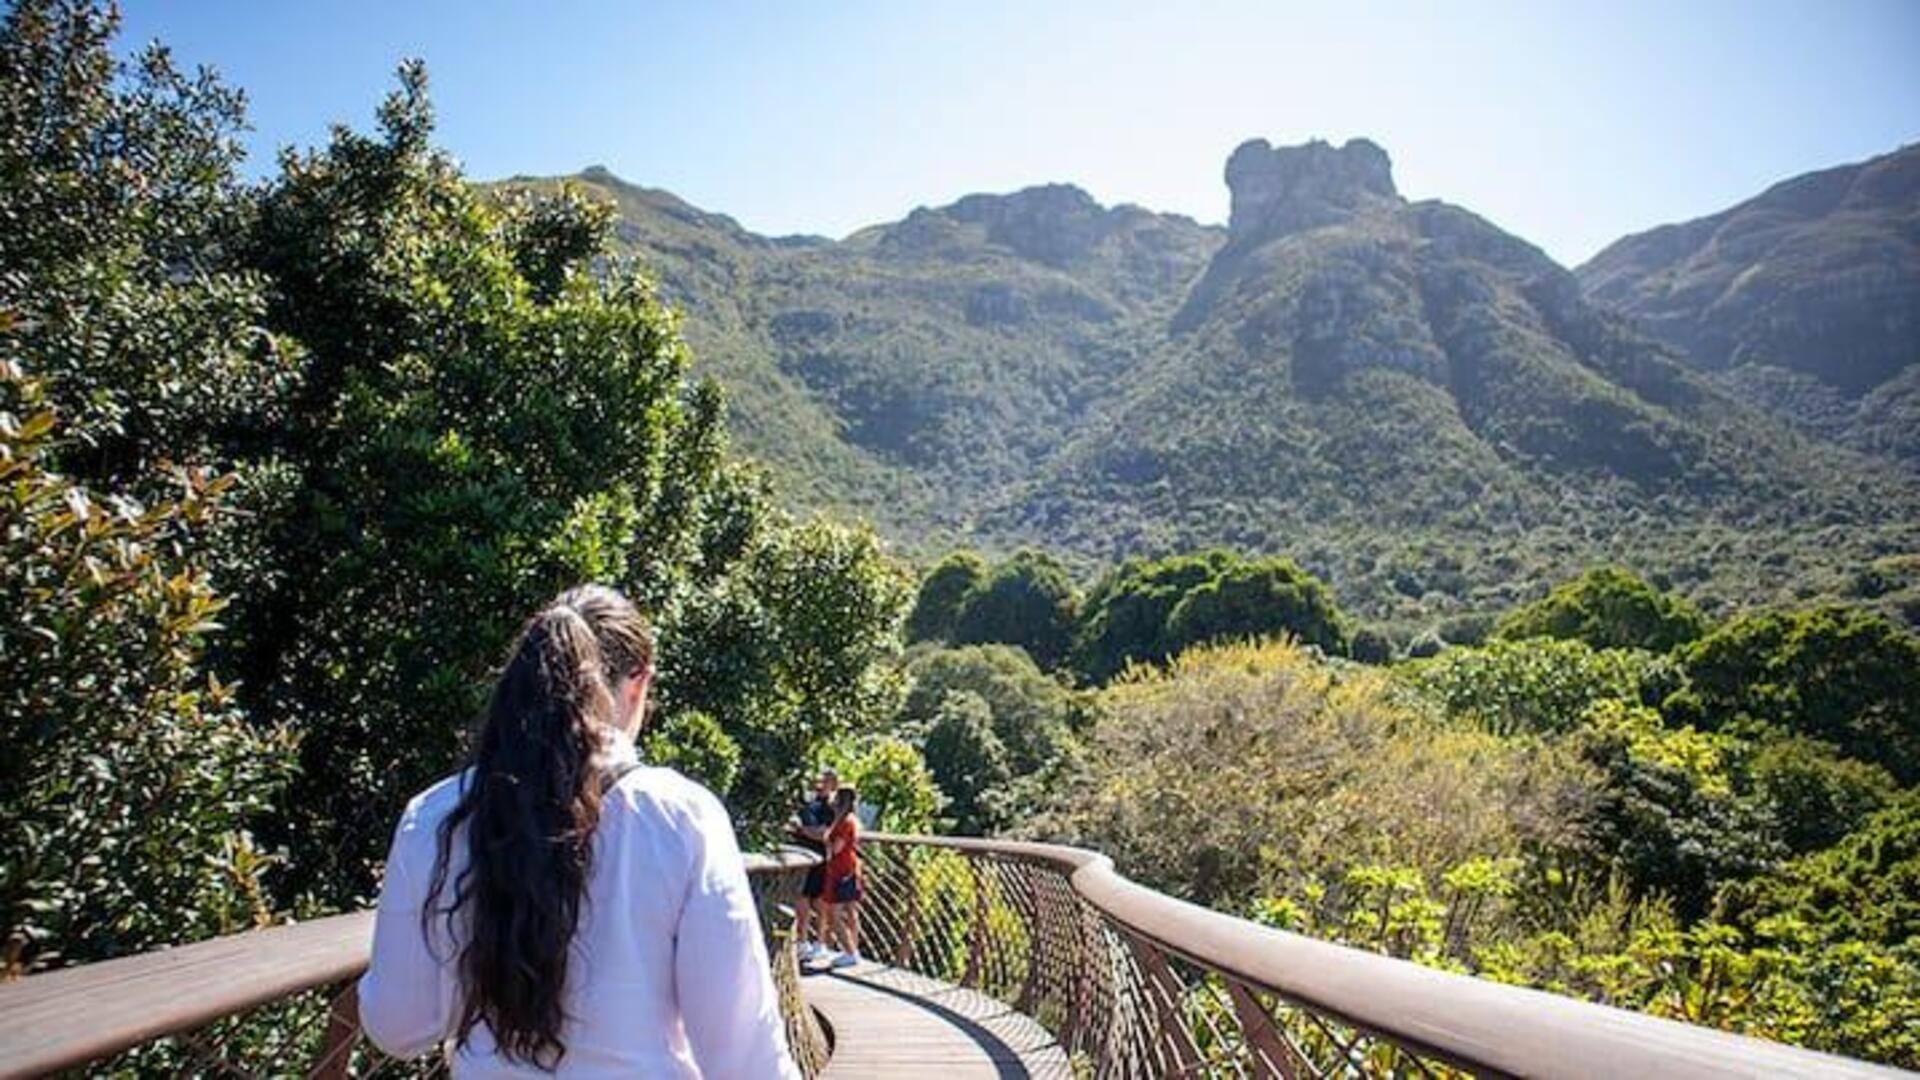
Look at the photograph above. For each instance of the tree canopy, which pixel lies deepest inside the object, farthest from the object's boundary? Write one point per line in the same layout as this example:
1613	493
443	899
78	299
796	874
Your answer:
1608	608
944	593
969	763
130	368
1030	601
1834	672
1148	611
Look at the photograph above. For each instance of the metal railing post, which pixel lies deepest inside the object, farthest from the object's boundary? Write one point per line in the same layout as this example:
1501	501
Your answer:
903	949
977	929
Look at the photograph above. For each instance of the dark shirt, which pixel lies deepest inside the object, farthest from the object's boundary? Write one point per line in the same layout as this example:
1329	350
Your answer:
818	813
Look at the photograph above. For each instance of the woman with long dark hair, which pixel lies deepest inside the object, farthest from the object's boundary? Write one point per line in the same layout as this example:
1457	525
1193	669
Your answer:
556	907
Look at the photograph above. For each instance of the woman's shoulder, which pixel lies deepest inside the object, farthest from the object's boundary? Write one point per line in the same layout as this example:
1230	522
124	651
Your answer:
656	789
416	835
426	809
663	813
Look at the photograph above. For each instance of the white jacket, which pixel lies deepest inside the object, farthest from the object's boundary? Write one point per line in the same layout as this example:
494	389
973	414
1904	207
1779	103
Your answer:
669	975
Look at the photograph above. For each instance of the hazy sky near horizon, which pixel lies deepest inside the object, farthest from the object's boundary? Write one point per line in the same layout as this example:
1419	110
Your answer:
1569	123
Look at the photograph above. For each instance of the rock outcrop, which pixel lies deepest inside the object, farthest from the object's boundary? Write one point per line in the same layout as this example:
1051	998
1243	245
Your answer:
1279	190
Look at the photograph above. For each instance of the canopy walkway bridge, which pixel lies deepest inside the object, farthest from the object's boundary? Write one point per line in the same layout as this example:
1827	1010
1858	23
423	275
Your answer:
986	958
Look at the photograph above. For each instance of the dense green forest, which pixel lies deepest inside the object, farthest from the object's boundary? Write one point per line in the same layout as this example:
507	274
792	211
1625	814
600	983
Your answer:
1610	796
285	461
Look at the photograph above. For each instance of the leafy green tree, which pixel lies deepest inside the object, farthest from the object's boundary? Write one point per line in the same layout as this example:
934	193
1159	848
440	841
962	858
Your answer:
1668	816
1814	795
130	776
484	418
789	650
1837	673
1033	715
693	743
1466	628
890	776
993	776
1029	601
1247	770
1536	685
943	593
1370	646
1147	612
456	436
121	281
1855	998
1260	598
1125	618
968	762
1608	608
120	198
1865	888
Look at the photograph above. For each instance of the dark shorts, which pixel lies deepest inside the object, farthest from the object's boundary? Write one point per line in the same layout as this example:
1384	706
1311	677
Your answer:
845	891
816	884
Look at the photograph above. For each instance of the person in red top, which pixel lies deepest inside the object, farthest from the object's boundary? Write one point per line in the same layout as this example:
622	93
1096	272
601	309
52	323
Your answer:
843	879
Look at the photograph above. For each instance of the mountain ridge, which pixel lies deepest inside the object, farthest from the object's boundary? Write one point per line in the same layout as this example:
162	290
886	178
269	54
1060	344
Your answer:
1339	372
1803	300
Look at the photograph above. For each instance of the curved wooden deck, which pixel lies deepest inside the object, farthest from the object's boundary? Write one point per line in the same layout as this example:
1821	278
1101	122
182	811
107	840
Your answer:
892	1023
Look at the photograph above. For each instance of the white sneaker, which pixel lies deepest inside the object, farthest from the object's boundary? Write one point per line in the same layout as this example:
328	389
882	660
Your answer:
810	952
845	960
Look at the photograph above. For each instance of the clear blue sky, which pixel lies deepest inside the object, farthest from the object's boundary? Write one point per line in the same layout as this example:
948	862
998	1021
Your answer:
1568	123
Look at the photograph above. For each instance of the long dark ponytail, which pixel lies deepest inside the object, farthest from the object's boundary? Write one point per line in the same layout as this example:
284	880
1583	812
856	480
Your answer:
529	808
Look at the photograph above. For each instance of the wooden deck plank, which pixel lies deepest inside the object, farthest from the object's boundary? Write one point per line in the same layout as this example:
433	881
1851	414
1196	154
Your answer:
888	1022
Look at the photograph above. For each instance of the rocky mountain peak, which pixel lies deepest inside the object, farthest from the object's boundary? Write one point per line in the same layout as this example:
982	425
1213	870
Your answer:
1282	189
1052	223
1044	200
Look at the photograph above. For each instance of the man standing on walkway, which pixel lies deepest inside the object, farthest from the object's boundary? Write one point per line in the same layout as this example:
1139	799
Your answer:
809	830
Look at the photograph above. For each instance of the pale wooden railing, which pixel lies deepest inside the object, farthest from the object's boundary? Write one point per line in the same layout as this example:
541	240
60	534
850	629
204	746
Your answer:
1131	982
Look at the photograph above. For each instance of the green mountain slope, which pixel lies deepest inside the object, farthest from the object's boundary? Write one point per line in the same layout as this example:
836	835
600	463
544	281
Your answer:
913	368
1804	300
709	269
1417	405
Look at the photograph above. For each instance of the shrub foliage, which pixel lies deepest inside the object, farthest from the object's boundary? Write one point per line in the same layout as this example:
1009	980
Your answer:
1608	608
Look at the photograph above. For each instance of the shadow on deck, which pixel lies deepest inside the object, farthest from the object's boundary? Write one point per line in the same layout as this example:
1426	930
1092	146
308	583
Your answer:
889	1022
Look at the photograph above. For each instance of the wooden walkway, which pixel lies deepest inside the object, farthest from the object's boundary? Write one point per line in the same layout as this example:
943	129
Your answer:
887	1022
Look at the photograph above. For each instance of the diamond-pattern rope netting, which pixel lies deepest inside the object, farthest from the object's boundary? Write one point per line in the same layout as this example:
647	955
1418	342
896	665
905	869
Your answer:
1011	926
1005	923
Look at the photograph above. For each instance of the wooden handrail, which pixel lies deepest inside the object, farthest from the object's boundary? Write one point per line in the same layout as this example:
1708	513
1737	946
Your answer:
63	1019
68	1018
1486	1027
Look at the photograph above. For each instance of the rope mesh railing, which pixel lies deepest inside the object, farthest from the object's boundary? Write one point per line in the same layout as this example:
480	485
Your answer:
1123	1005
1133	983
1130	983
